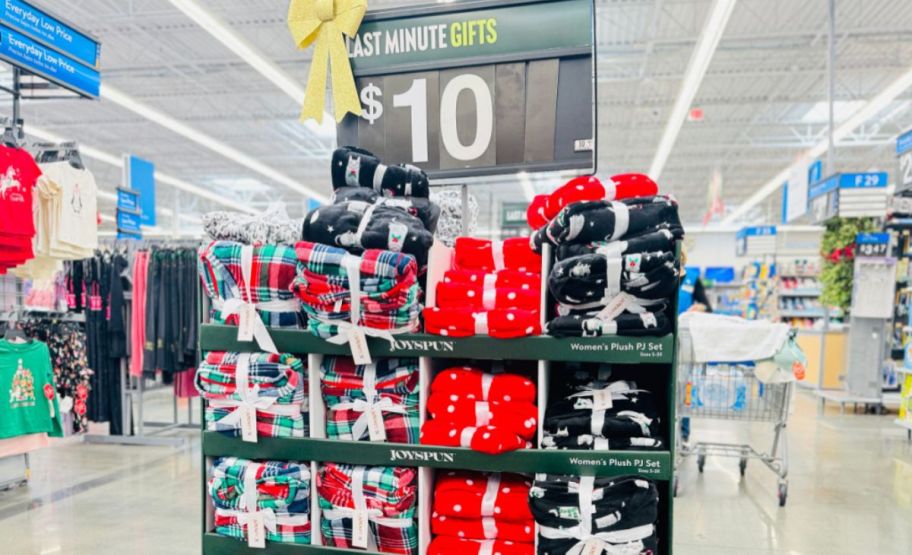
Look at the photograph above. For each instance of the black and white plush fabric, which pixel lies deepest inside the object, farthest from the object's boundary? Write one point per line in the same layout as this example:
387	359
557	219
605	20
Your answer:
452	216
272	227
356	226
589	325
588	222
620	413
657	241
618	514
593	280
355	167
421	208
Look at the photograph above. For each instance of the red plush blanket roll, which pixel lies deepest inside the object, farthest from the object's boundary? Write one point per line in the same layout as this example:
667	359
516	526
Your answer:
481	254
471	383
518	418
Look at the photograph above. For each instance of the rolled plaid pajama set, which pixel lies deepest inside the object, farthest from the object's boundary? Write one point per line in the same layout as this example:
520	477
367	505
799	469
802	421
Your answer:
484	412
350	392
387	281
276	388
386	495
272	273
614	516
615	417
280	490
481	513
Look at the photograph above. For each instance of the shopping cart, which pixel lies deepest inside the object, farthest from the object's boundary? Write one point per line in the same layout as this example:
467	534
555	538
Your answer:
730	392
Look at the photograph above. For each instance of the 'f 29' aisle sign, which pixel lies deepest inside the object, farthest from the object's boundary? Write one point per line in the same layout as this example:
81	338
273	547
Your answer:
478	89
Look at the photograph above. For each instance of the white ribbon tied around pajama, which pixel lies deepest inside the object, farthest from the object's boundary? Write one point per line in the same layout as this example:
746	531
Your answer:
481	323
625	542
384	405
246	311
360	511
270	518
497	253
250	398
352	265
621	220
488	524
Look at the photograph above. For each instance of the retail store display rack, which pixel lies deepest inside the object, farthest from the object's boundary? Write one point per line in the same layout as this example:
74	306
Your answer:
653	355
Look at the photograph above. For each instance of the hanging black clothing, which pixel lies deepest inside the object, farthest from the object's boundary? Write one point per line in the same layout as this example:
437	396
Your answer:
172	312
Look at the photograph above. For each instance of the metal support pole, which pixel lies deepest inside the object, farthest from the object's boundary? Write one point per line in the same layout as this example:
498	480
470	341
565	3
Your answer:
17	111
831	88
464	189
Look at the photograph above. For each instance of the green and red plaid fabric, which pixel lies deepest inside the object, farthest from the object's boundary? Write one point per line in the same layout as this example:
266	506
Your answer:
389	288
342	383
289	528
282	487
391	491
280	377
272	275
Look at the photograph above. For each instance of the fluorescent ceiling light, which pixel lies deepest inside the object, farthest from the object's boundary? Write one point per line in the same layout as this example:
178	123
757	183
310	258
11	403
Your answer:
244	50
696	70
125	101
842	110
868	111
117	161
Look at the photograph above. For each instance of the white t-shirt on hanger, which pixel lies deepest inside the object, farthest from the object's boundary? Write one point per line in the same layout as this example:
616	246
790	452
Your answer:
76	228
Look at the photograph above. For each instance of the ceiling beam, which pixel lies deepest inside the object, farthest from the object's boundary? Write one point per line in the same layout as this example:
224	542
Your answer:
863	114
696	69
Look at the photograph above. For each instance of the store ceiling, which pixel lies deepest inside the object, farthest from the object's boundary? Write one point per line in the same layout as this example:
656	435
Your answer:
759	97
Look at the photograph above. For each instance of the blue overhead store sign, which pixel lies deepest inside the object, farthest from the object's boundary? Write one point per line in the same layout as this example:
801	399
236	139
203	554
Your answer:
756	241
139	175
51	31
129	224
40	43
849	195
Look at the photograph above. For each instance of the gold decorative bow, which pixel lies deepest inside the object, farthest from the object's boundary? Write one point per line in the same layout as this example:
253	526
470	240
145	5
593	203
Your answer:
327	22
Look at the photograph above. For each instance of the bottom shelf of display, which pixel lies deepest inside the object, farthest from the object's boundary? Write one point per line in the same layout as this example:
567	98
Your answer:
655	465
213	544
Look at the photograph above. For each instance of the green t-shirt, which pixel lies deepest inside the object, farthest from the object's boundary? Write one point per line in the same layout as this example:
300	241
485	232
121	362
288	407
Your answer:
25	371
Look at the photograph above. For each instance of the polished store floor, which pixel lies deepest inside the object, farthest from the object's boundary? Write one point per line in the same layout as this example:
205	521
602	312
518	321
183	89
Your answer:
850	494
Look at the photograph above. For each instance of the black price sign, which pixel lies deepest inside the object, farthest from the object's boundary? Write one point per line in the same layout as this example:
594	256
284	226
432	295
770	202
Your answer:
872	245
461	91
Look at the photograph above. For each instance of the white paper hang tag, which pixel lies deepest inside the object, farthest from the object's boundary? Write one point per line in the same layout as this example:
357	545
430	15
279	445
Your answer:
248	423
357	340
360	529
601	400
593	546
375	427
256	530
245	322
615	307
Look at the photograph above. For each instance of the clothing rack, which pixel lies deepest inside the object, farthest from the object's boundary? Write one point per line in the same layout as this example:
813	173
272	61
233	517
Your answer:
134	389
